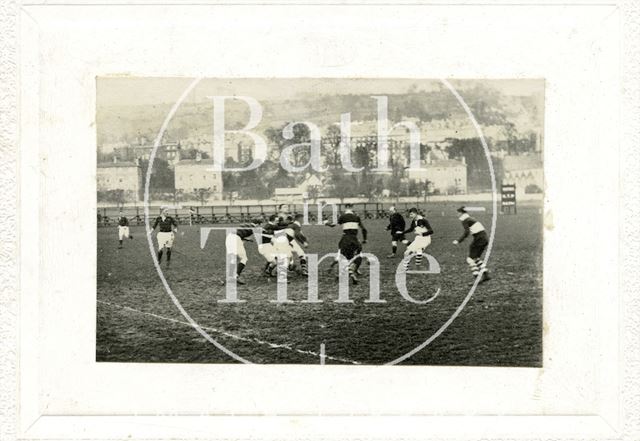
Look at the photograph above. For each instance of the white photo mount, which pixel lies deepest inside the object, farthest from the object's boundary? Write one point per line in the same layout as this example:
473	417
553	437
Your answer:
587	385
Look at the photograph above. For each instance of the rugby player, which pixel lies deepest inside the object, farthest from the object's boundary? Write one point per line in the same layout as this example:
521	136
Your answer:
349	245
420	226
234	245
396	227
165	237
298	240
267	248
478	245
123	228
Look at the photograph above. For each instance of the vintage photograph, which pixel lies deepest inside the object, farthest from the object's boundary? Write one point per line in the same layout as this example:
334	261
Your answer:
320	221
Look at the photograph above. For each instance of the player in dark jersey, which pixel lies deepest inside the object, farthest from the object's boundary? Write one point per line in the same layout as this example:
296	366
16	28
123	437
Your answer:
478	245
423	231
396	228
234	245
271	246
123	228
165	237
298	240
349	245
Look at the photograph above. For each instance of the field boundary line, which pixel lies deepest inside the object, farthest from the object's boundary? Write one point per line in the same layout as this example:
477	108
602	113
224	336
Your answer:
229	334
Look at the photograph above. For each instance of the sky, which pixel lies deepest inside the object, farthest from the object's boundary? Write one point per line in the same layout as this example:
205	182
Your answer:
126	91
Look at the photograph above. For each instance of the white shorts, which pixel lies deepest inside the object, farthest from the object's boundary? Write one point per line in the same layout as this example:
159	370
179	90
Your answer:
297	248
164	239
235	246
266	251
282	247
123	232
419	244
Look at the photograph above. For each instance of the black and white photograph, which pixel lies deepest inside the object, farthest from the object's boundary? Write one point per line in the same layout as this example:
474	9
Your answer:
320	221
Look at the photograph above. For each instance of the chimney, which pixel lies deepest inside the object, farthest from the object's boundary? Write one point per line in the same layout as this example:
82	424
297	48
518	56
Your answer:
464	160
115	159
198	156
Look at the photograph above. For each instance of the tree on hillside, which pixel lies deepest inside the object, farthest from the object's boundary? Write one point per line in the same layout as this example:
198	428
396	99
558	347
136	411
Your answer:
342	185
162	176
478	172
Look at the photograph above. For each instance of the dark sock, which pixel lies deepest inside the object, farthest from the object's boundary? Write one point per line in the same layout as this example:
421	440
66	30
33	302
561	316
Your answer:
358	262
303	263
240	268
394	249
120	243
160	256
168	254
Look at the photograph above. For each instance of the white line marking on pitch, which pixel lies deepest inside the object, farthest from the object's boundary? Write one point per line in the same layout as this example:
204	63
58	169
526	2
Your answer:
322	355
475	208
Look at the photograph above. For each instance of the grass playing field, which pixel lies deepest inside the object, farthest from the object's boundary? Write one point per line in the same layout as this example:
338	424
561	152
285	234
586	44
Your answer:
500	326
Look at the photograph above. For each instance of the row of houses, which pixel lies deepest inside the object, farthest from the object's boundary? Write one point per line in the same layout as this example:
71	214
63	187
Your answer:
443	175
189	176
440	174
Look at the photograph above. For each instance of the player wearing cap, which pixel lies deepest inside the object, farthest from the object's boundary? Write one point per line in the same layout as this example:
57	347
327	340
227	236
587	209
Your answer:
165	237
423	231
123	228
478	245
396	228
